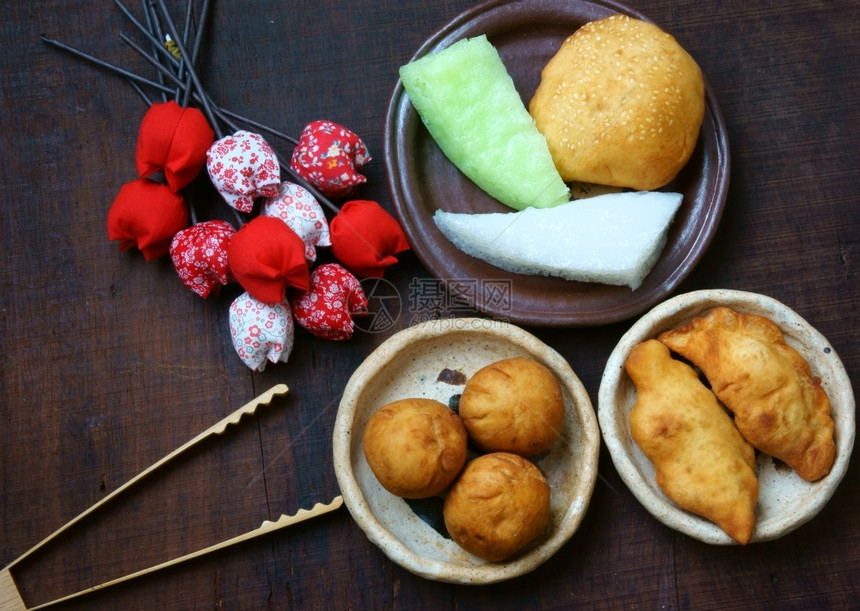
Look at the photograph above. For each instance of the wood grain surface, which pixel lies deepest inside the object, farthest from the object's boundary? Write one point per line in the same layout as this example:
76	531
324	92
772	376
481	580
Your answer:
107	362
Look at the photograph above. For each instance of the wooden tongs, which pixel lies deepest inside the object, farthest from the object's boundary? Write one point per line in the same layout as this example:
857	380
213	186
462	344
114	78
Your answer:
10	597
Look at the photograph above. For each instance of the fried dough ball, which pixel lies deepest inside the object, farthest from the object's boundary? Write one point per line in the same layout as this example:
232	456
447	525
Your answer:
499	504
513	405
415	447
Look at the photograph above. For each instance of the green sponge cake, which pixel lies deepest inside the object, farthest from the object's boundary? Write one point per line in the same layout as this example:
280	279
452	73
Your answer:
468	102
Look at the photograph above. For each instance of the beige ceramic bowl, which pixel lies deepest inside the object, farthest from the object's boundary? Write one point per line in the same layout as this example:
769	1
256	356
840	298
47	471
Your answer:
785	500
409	364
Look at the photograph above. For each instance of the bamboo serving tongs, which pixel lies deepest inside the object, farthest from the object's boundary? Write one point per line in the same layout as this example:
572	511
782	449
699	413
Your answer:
10	597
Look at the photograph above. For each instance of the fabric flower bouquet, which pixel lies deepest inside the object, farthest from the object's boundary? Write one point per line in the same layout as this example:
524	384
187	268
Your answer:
271	248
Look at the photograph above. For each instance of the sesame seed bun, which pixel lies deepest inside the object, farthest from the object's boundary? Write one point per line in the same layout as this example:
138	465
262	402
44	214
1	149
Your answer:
621	104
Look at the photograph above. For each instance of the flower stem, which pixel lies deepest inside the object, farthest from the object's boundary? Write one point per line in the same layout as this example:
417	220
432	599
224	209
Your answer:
207	109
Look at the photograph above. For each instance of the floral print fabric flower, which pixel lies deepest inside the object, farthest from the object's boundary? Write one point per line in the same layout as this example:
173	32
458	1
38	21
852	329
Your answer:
261	332
243	167
146	214
327	307
328	156
302	213
199	255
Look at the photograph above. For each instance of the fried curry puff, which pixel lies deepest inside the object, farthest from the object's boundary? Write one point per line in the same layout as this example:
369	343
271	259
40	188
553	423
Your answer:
702	462
778	406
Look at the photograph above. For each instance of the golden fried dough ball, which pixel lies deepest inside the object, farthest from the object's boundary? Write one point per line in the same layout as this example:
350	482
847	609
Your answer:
415	447
499	504
513	405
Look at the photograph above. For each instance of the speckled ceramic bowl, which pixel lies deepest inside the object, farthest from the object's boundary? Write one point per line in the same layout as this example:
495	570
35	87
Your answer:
433	360
785	500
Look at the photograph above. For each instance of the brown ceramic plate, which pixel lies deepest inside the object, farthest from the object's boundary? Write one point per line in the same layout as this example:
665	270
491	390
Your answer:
527	33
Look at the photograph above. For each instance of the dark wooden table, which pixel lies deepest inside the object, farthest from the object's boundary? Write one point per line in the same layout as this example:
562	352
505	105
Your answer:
107	362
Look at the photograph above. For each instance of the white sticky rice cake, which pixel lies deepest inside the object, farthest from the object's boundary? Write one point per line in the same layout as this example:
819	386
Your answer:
614	238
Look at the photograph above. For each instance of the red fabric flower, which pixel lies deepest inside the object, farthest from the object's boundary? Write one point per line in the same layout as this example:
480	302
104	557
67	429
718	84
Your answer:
174	140
146	214
199	254
326	308
365	238
265	257
327	156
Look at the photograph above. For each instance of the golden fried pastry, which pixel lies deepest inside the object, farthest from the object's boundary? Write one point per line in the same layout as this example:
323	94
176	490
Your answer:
778	406
499	504
702	462
621	103
513	405
415	447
